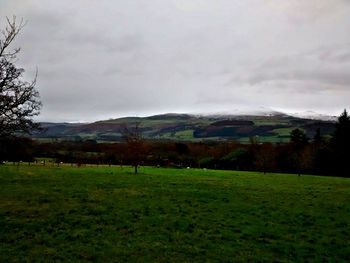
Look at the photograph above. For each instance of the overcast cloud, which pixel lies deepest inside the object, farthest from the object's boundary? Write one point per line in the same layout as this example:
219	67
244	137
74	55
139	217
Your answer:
101	59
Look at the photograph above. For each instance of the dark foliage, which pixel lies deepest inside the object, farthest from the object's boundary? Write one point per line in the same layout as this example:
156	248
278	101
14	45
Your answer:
233	123
341	144
17	149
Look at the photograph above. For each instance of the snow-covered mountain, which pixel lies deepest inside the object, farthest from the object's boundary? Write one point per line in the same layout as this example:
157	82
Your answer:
313	116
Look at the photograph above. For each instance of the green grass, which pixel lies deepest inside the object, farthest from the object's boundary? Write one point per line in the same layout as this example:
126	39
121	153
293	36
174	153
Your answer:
166	215
265	121
184	135
284	131
180	135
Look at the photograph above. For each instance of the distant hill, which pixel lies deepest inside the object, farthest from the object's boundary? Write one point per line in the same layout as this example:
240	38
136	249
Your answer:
186	127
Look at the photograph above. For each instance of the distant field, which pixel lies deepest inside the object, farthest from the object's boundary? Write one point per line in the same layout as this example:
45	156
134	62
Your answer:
263	139
167	215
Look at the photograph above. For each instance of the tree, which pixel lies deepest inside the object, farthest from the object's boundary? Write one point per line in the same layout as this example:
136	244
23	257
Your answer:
341	136
298	141
135	145
318	137
341	143
265	157
298	137
238	159
19	100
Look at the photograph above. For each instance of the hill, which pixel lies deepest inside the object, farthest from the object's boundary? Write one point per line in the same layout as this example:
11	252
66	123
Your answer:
274	127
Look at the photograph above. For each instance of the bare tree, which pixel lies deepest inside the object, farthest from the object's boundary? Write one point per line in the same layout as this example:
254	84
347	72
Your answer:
135	144
265	157
19	100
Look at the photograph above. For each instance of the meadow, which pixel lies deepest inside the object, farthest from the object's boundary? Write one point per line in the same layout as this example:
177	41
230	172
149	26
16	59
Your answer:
107	214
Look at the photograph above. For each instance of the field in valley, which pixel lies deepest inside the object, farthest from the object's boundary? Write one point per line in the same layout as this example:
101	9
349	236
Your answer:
171	215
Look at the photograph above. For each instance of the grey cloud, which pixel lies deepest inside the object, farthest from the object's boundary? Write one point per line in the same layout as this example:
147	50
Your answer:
326	65
102	59
125	43
320	76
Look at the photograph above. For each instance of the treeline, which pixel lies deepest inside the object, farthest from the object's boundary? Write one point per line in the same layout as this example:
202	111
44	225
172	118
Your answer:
318	155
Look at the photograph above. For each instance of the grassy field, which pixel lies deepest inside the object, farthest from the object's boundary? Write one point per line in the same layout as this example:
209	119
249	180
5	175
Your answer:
167	215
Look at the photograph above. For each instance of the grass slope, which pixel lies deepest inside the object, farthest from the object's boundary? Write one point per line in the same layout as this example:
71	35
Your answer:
166	215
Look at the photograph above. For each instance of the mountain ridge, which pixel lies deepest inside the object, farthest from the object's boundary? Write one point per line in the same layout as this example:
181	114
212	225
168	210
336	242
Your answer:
274	127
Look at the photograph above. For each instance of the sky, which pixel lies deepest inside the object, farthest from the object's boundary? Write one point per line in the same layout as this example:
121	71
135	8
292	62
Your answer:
100	59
